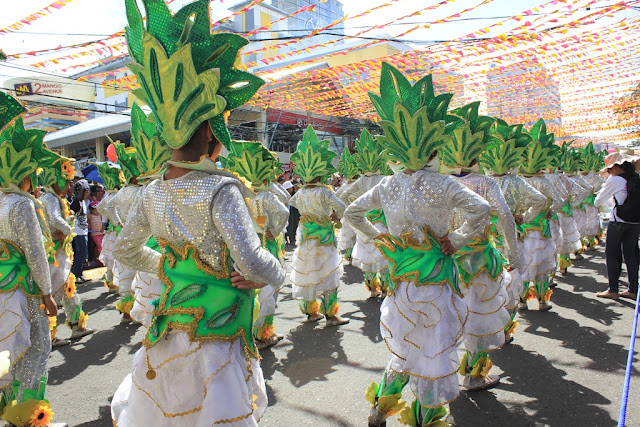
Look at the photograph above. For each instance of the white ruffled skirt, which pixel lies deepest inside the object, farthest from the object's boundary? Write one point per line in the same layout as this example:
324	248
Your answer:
106	256
486	301
580	216
593	221
570	235
422	326
15	329
539	255
59	274
123	277
514	288
346	236
196	384
268	298
146	288
315	269
367	257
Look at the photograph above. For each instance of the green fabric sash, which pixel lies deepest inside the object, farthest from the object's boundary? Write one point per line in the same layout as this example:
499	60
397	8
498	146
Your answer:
590	200
539	223
423	264
319	229
199	300
153	244
477	257
14	270
377	216
271	245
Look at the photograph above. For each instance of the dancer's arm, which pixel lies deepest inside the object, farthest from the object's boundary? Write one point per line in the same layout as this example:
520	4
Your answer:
56	220
277	213
473	208
532	199
356	214
130	246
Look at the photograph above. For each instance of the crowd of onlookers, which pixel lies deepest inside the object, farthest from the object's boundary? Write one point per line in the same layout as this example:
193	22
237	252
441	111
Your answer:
83	197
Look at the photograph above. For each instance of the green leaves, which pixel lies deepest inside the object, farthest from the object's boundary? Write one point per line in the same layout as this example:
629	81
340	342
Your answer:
347	166
128	161
369	158
10	108
110	176
15	165
463	147
502	156
535	158
411	139
151	151
252	161
312	158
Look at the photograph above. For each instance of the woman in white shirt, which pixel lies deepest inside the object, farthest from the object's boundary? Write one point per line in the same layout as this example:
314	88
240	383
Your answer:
622	236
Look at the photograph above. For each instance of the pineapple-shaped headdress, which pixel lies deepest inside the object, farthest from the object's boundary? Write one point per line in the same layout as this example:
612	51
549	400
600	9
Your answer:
569	159
412	116
252	161
152	152
112	176
541	152
59	171
369	158
128	161
348	164
312	158
186	74
508	144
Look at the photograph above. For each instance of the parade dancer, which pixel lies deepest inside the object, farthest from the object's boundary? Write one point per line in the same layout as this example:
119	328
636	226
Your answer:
579	190
538	156
528	207
366	256
423	319
348	168
591	163
113	179
198	364
481	267
316	268
118	209
25	287
54	179
256	164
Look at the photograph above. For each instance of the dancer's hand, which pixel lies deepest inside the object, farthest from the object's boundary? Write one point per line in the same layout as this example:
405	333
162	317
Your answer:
518	219
446	246
510	268
268	234
50	306
57	235
334	217
238	281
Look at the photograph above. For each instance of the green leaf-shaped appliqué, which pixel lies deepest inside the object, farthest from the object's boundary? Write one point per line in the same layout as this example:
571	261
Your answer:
151	151
411	139
196	101
15	166
187	293
224	316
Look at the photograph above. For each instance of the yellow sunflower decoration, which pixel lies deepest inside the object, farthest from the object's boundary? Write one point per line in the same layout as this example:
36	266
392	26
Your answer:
70	288
68	171
32	413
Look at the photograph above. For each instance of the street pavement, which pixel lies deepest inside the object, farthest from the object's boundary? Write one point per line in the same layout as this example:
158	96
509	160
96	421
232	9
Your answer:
565	368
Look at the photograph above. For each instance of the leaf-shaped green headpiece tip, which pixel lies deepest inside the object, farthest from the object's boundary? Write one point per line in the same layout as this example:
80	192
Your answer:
112	176
506	147
252	161
22	152
348	164
151	150
312	158
590	159
369	158
10	108
128	160
186	74
570	160
413	118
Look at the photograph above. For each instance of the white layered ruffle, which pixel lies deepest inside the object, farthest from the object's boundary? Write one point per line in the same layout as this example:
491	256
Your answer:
367	257
123	277
315	269
539	256
346	237
422	326
580	216
146	288
15	329
570	235
593	221
106	256
514	288
268	298
59	274
196	384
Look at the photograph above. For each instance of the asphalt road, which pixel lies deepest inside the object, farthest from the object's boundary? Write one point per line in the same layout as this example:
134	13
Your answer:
565	368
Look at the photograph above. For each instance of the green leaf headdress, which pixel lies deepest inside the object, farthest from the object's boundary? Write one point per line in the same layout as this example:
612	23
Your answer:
186	73
541	152
145	138
128	161
22	152
312	158
570	160
252	161
112	176
369	158
469	137
58	171
413	118
347	166
508	144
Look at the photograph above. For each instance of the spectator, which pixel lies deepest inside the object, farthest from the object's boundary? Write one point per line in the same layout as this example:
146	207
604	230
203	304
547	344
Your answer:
95	231
80	207
294	216
622	236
